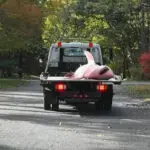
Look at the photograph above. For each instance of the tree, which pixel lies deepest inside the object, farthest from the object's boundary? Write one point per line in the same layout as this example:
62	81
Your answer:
20	23
21	27
57	24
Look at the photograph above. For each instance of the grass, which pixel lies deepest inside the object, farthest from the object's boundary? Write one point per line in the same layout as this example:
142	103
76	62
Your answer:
11	83
139	91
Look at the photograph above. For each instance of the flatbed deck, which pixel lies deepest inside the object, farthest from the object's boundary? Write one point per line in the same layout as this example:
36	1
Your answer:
66	79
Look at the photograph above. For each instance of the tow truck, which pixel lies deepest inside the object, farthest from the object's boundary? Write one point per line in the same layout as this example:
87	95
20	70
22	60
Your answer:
67	57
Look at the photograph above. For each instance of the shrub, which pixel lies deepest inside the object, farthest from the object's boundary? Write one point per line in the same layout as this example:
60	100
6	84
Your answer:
136	73
115	66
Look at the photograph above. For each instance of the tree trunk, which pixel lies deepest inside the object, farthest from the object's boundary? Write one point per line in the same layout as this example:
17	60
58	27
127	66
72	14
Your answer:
124	63
20	66
124	68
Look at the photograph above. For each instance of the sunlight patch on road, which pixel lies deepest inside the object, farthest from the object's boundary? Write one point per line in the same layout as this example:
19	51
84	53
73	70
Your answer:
26	95
100	135
21	96
21	93
147	100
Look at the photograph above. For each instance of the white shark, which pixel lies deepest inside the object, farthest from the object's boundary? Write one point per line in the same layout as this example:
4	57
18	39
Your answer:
91	70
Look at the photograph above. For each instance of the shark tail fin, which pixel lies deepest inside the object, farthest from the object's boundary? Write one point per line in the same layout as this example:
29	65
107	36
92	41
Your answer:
89	57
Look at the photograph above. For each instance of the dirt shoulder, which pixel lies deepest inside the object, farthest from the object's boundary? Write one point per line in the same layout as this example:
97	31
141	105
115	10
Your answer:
138	90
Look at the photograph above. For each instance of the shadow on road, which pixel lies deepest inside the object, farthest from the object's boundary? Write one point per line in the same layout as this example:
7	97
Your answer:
36	106
81	116
5	147
90	110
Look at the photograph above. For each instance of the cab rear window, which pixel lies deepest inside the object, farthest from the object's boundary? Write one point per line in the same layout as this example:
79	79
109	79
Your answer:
76	54
73	51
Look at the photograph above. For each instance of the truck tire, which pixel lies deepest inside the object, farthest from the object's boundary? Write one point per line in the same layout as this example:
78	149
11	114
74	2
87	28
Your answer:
46	102
107	100
55	106
99	105
105	103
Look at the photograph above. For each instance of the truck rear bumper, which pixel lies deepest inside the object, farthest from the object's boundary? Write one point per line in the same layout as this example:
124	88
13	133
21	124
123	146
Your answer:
79	95
74	97
80	100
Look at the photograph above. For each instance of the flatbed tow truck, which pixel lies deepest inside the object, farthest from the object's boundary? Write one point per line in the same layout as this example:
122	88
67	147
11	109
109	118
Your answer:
64	58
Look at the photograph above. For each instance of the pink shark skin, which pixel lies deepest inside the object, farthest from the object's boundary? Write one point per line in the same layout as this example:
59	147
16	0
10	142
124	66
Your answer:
91	70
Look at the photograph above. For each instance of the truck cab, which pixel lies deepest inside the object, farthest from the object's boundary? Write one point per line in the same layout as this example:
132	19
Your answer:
66	57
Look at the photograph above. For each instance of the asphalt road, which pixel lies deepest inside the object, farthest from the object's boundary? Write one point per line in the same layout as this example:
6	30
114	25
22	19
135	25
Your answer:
25	125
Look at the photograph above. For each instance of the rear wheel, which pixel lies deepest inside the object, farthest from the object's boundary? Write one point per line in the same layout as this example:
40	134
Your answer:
99	105
55	106
105	103
46	102
107	99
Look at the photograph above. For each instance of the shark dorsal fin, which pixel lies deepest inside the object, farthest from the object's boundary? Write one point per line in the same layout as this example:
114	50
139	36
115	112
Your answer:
89	57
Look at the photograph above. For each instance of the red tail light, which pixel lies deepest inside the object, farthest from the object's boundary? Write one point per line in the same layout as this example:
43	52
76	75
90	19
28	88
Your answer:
59	44
60	87
102	88
90	44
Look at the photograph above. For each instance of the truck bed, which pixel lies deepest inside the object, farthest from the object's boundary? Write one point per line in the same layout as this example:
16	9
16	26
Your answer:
66	79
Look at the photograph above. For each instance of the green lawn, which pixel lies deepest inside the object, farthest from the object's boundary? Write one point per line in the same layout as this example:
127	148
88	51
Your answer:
139	91
10	83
